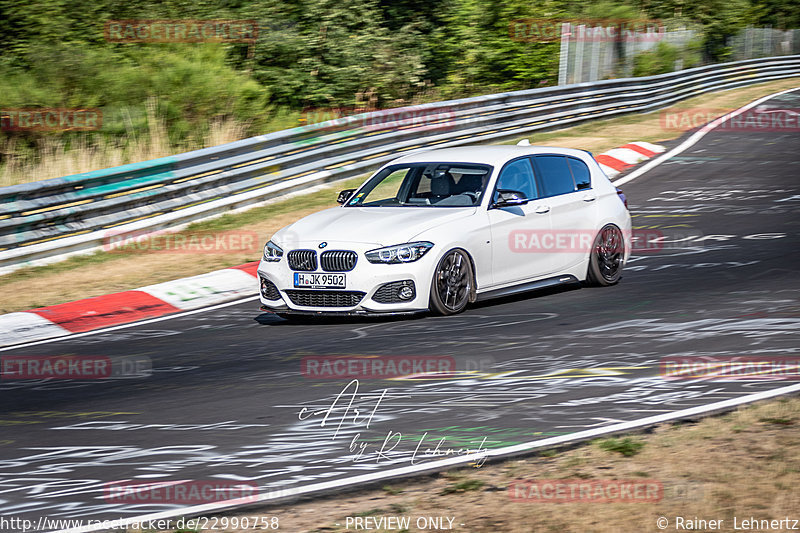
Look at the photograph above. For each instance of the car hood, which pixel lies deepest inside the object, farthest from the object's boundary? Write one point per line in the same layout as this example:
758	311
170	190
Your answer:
380	226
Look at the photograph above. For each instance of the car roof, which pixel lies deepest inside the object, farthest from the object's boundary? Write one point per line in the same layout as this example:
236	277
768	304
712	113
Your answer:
495	155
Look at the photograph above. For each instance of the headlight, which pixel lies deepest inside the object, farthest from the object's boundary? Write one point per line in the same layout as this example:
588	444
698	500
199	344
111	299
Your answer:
272	252
399	253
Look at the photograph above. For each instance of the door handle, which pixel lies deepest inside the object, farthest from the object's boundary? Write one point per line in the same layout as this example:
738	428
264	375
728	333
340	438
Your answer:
542	209
589	197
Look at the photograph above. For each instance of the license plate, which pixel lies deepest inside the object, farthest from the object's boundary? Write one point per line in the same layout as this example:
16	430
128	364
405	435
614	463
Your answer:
319	281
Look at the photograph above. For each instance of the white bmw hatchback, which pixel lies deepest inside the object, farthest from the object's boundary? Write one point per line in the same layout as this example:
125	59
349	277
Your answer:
439	229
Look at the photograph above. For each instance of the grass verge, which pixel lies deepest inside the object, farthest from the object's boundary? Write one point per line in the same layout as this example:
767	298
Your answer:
55	157
103	273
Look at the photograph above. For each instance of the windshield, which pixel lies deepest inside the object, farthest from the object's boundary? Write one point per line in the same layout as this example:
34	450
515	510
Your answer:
424	185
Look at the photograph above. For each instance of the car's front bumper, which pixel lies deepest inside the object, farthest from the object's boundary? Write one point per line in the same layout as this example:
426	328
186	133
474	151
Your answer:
358	297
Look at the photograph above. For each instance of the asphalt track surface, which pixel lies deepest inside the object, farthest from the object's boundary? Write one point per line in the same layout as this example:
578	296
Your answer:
224	398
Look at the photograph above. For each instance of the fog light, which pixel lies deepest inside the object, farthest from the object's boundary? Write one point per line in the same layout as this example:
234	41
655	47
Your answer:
395	291
406	293
268	290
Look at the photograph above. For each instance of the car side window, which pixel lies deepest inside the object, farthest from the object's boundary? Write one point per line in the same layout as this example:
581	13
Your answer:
580	172
518	176
555	175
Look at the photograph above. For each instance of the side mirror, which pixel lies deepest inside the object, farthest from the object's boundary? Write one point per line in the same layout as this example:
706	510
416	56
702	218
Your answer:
509	198
344	196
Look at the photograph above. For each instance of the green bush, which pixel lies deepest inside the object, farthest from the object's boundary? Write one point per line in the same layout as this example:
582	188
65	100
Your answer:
663	58
191	84
627	446
309	53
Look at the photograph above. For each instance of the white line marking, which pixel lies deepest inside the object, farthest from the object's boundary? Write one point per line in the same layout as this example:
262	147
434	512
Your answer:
436	465
693	139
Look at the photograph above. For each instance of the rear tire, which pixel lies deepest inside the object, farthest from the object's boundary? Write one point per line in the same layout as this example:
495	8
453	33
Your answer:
607	258
452	284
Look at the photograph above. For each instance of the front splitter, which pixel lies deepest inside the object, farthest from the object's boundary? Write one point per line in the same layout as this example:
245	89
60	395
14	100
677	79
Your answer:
360	312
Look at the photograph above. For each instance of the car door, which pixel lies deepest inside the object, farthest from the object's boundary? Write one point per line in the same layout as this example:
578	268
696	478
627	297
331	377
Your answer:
566	189
513	228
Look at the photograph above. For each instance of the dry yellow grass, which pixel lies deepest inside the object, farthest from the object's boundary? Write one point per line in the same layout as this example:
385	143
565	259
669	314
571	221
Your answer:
743	464
34	288
55	159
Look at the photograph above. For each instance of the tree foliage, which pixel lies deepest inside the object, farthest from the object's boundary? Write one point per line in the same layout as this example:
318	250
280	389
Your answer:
313	53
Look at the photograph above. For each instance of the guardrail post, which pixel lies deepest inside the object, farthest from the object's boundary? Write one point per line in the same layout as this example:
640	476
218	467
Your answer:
563	60
580	33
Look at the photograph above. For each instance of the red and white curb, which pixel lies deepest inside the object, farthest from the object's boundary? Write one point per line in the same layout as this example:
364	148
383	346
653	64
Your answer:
152	301
620	159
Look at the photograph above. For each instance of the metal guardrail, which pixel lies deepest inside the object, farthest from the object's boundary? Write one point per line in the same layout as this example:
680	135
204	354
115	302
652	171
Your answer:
46	220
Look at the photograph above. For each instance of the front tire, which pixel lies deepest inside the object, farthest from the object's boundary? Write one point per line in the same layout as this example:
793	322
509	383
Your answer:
607	258
452	283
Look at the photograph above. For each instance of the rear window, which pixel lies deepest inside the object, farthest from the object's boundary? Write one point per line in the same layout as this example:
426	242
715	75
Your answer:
555	174
580	173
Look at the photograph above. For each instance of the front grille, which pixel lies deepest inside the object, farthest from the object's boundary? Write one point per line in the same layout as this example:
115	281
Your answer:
269	291
338	260
303	260
325	298
388	293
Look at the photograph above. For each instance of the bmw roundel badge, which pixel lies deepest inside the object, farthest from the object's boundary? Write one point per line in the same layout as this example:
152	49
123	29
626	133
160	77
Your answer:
323	245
